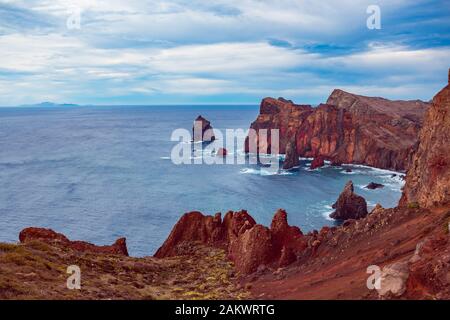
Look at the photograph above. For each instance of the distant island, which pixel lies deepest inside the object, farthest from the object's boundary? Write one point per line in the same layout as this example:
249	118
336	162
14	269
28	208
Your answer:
47	104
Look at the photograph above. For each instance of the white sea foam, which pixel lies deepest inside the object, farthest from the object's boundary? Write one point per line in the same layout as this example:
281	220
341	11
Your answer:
373	169
327	211
265	172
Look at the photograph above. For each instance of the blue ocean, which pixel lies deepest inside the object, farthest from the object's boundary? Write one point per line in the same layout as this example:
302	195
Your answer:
99	173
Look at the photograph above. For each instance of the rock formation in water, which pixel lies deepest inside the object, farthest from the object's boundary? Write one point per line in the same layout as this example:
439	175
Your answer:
317	162
49	236
427	180
349	128
349	205
292	158
374	185
202	130
222	152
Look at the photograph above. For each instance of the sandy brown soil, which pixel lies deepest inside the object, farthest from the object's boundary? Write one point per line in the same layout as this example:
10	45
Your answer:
338	269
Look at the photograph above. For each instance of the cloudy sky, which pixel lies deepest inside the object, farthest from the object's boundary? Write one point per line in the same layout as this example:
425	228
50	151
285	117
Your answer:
219	51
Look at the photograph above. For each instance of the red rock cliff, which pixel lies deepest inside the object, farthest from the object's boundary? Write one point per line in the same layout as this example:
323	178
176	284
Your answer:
349	128
427	180
249	245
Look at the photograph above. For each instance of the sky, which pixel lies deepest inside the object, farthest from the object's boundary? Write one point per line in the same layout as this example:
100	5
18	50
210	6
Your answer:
219	51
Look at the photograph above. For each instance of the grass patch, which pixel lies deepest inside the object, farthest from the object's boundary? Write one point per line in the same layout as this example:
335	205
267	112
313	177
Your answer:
413	205
7	247
38	245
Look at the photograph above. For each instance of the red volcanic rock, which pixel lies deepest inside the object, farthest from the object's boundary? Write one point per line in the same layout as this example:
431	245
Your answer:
284	235
349	205
427	180
249	245
50	236
208	230
430	268
374	185
252	249
236	223
287	257
348	129
222	152
292	158
192	227
202	130
318	162
47	235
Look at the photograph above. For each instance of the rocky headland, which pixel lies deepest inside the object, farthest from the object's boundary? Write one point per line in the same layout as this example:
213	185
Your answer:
348	128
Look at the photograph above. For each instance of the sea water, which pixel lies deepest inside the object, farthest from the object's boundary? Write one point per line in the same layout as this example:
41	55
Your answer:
100	173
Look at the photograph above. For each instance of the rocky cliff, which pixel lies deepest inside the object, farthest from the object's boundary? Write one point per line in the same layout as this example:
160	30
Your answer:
427	180
349	128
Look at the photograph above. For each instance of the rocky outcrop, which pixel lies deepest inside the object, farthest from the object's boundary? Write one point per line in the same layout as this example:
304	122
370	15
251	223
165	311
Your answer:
252	249
222	152
374	185
208	230
285	236
52	237
393	279
429	269
235	224
427	180
249	245
193	227
292	158
349	128
317	162
349	205
202	130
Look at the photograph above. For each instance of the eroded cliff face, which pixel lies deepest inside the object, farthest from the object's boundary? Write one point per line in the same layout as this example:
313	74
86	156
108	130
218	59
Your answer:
349	128
428	179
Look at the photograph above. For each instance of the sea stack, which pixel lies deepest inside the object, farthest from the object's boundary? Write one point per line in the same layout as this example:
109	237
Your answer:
222	152
318	162
202	130
349	205
374	185
292	159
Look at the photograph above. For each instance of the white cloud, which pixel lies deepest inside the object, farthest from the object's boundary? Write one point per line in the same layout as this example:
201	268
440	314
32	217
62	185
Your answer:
208	48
